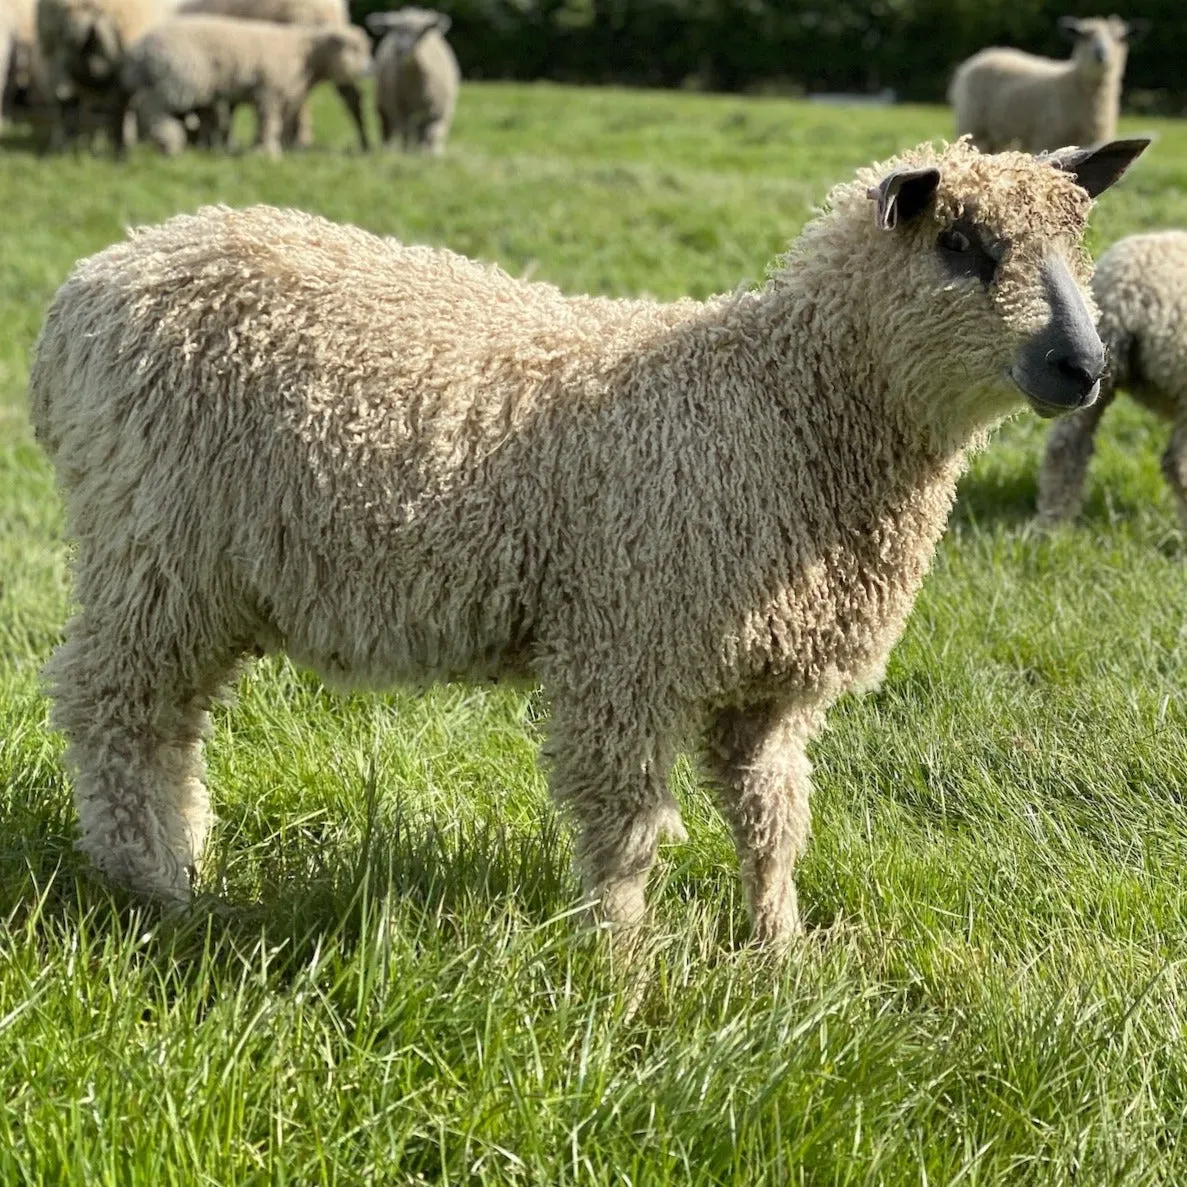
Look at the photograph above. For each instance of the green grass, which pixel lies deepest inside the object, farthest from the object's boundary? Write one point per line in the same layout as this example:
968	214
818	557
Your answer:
393	990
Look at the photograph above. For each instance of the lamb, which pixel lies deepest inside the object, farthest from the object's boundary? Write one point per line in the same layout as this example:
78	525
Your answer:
416	77
1005	98
696	524
201	63
1141	288
82	43
299	129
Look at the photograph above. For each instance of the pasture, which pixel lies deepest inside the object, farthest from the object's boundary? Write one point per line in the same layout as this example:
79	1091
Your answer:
383	981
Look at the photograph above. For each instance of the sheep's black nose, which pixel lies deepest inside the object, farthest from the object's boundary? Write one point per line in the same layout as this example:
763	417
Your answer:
1080	374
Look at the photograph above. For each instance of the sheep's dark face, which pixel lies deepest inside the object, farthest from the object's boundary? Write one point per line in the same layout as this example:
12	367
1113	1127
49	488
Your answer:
989	299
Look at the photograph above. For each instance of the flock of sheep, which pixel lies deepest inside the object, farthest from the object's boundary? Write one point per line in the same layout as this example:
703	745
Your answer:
177	69
696	524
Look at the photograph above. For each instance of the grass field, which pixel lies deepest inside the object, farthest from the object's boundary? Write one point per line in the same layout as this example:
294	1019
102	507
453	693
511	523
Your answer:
389	987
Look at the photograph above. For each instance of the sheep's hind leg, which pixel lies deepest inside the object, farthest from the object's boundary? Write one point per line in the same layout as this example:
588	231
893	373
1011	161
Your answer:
1174	465
763	778
615	781
1065	462
134	712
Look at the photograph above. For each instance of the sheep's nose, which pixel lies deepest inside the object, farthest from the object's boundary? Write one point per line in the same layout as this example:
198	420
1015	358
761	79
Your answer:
1080	374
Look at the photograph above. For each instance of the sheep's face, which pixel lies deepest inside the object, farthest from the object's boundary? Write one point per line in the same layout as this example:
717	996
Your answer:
1100	43
346	56
403	30
93	49
984	277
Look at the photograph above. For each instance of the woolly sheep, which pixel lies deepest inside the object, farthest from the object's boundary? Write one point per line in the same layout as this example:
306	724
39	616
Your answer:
299	129
1005	98
197	63
696	524
416	77
1141	288
83	44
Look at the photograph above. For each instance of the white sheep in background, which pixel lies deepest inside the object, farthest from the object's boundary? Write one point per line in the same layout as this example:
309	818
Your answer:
1005	98
416	77
1141	288
207	64
696	524
299	128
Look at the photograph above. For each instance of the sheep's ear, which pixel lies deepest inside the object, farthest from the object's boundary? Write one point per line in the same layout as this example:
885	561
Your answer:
444	20
380	22
902	195
1097	167
1069	26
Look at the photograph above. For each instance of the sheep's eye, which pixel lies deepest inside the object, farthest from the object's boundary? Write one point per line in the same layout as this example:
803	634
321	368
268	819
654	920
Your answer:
964	254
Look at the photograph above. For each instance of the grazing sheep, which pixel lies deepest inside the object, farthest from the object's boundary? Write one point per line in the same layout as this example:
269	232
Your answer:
298	130
694	523
207	64
416	77
1141	288
1005	98
83	44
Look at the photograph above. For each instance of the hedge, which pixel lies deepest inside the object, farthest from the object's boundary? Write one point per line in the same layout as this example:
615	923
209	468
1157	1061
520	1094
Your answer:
791	45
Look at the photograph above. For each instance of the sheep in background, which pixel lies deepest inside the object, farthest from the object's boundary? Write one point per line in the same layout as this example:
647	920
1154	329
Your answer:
298	130
695	523
416	77
208	64
1141	288
83	44
1005	98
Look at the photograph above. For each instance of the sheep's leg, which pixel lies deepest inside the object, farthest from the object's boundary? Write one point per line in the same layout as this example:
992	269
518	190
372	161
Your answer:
1069	448
118	131
271	119
386	130
134	713
757	761
433	137
1174	465
614	779
353	99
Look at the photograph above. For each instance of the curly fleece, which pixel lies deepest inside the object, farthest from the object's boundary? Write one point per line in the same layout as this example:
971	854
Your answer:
695	523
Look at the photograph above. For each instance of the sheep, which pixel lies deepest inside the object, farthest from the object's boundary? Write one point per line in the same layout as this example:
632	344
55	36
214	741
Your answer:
197	63
299	128
1005	98
1141	288
83	44
416	77
695	524
21	73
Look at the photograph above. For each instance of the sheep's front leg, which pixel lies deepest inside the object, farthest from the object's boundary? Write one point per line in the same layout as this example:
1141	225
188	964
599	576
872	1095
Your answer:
1174	465
613	776
1065	462
756	758
271	117
353	99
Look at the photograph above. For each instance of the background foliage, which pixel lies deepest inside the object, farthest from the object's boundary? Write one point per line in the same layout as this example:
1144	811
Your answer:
810	45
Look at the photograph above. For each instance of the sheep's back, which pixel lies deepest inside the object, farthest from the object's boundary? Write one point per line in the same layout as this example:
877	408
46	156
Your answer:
281	12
